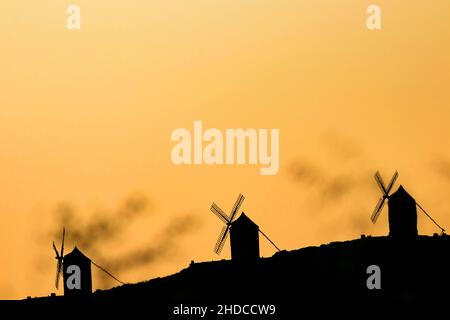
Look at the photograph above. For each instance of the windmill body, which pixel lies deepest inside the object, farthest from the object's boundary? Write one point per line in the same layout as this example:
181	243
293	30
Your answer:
77	274
244	233
76	270
402	209
244	239
402	213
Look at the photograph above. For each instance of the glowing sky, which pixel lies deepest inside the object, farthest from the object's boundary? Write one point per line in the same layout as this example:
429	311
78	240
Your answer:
86	118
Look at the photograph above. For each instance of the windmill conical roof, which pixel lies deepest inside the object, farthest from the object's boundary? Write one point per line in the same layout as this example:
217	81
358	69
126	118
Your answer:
244	219
76	253
400	193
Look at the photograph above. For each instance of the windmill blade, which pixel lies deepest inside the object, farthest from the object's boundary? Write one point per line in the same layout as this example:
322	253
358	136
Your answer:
219	212
391	184
378	209
236	207
58	273
62	243
222	239
380	182
56	251
222	244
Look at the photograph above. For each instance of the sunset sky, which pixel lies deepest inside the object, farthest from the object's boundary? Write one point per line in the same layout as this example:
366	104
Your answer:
86	118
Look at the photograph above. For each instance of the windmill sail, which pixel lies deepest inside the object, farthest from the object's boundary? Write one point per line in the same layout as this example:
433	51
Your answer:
59	258
221	240
228	220
377	210
385	192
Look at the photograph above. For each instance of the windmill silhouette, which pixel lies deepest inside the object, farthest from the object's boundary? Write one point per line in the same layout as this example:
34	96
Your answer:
244	233
402	209
76	270
65	265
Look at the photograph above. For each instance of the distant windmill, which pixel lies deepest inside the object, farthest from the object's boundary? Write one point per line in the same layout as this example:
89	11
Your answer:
59	259
77	266
244	233
402	209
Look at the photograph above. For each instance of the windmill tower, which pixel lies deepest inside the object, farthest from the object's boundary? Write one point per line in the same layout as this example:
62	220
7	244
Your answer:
76	270
244	239
402	214
77	274
402	209
244	233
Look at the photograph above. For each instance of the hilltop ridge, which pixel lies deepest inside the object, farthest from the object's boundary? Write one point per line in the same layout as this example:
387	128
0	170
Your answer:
410	269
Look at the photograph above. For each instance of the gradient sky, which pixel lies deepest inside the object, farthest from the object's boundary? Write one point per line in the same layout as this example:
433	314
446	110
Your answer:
86	118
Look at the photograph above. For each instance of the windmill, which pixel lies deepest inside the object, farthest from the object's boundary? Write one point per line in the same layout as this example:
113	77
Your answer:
244	233
83	265
379	207
402	209
228	220
59	258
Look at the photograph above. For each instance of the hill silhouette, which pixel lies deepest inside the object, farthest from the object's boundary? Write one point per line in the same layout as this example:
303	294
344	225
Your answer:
410	269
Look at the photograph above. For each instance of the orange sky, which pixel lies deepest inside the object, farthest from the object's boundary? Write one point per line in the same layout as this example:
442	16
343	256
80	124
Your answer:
86	118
